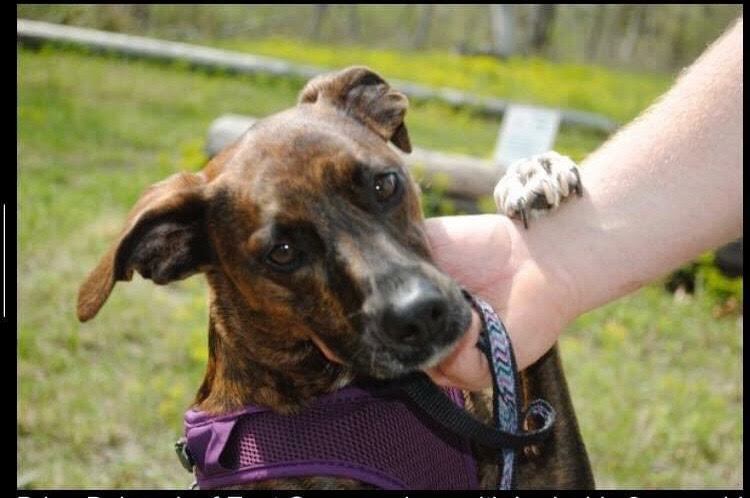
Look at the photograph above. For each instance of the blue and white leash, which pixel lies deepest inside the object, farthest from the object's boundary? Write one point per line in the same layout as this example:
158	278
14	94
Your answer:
495	343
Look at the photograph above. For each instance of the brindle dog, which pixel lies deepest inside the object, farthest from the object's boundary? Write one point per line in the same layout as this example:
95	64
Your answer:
309	232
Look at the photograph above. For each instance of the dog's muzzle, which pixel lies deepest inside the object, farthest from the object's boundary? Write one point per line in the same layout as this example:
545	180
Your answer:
416	313
408	324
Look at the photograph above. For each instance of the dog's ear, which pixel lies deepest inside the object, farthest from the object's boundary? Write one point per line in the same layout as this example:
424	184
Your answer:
364	95
164	239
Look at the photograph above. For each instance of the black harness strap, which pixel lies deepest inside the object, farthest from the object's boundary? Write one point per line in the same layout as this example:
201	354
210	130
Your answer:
433	401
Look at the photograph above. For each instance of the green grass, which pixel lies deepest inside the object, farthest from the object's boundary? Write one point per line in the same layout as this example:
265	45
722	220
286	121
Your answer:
656	383
657	388
618	95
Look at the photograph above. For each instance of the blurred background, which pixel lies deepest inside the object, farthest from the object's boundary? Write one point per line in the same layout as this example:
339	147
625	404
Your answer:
656	376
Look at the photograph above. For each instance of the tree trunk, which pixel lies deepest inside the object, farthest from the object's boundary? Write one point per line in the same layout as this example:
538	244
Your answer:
472	34
679	39
632	33
141	13
319	13
423	28
545	17
596	33
503	24
354	23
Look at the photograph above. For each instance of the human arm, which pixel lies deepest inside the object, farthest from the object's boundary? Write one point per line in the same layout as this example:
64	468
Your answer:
664	189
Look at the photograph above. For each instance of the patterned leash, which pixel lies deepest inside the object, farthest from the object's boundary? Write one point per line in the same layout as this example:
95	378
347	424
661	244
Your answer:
506	403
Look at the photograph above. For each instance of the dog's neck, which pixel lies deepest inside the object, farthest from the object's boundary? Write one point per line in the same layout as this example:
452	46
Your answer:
250	361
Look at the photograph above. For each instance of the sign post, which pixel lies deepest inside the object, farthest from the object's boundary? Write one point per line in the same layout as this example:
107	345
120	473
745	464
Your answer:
525	132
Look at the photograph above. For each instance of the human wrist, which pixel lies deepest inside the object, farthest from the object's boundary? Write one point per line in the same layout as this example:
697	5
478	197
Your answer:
550	252
545	294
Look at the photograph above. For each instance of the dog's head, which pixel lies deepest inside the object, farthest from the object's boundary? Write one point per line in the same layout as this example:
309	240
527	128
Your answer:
313	225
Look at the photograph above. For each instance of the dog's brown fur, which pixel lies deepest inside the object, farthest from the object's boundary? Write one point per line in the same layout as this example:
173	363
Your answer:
301	172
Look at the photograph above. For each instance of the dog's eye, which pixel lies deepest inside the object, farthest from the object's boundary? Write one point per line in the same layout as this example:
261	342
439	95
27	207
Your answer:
284	256
386	186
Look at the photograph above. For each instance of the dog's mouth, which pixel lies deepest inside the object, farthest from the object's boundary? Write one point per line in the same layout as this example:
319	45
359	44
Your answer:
396	361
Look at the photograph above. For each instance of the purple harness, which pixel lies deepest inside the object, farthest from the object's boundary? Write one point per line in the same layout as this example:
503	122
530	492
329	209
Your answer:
410	437
375	437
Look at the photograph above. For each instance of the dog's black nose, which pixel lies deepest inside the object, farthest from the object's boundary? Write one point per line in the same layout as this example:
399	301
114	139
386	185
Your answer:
417	311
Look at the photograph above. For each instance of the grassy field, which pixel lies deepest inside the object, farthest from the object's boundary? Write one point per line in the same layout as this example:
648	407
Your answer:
618	95
656	382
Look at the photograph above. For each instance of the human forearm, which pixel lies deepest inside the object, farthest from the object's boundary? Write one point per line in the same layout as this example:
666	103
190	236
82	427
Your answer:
663	190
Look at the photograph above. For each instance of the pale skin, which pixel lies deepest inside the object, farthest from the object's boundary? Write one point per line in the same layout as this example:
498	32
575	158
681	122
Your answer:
663	190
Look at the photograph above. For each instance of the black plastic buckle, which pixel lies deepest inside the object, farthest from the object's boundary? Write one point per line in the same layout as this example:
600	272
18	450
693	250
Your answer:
180	447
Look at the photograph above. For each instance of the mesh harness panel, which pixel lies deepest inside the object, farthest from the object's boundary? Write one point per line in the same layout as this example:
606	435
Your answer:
371	435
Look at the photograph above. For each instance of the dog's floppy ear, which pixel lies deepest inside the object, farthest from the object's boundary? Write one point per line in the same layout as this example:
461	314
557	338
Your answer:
364	95
164	239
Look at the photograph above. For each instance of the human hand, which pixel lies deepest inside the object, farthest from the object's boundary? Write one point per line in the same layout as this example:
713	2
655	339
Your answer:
489	256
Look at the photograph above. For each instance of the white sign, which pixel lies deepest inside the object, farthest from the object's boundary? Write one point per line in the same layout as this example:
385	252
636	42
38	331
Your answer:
525	132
